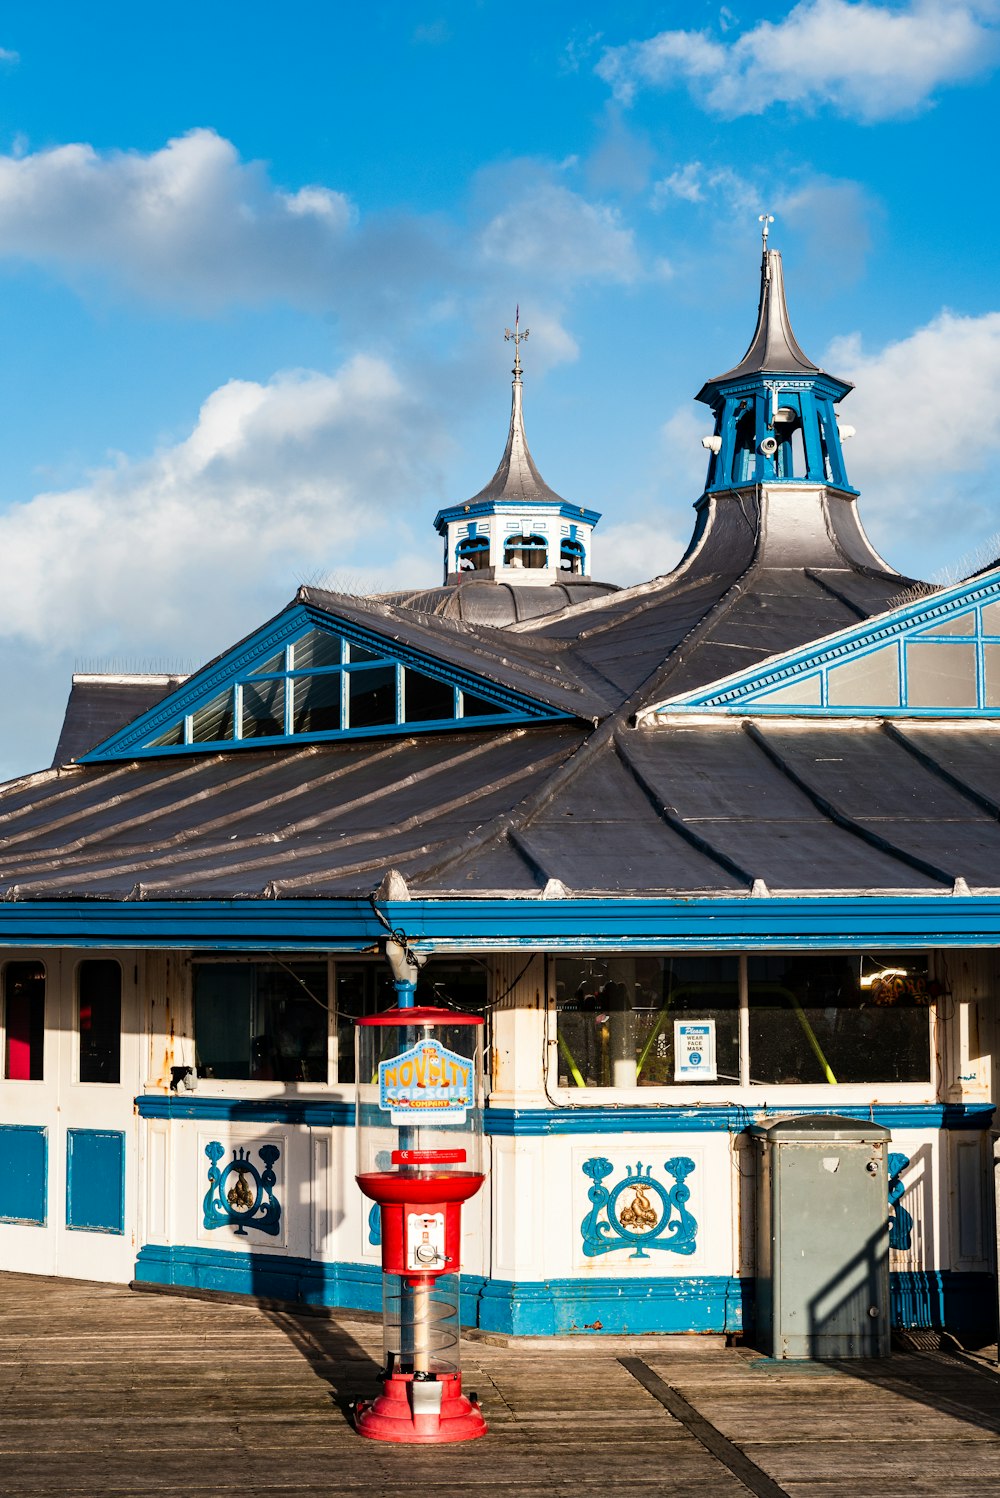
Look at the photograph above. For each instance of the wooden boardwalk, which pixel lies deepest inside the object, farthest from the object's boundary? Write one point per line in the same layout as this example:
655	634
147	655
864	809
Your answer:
107	1392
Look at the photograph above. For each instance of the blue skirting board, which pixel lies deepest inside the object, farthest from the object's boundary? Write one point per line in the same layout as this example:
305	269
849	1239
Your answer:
962	1303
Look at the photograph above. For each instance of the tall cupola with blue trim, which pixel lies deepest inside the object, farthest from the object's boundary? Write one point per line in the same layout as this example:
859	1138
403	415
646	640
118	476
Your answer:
775	411
517	530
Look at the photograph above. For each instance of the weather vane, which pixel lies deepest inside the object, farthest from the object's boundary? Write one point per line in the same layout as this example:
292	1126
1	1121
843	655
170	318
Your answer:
766	219
517	337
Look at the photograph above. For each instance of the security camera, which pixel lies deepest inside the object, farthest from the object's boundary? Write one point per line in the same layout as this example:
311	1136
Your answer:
846	432
711	444
769	446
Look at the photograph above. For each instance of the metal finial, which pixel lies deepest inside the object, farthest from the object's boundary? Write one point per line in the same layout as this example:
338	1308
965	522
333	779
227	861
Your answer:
766	219
517	337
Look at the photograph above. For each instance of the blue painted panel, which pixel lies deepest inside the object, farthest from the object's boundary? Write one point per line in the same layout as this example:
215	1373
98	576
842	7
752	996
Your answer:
559	1307
95	1180
727	1118
24	1174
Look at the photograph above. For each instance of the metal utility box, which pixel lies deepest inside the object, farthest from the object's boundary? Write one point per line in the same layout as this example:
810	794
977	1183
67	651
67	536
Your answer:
822	1237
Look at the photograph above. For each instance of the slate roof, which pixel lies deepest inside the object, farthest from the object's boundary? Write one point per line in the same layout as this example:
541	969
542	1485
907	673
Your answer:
100	704
696	809
774	348
690	806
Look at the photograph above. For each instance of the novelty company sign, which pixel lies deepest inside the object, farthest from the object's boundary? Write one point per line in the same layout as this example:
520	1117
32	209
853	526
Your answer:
426	1084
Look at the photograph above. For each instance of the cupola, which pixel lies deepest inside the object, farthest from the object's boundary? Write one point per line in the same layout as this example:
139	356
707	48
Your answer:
517	529
775	416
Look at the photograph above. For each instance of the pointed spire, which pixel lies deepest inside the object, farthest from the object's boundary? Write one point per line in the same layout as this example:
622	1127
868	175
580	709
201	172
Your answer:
773	348
517	477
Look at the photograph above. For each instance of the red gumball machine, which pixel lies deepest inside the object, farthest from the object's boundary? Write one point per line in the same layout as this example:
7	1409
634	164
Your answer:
420	1142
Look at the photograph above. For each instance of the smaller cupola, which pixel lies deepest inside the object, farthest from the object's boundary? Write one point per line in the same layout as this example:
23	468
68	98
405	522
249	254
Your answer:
775	416
517	529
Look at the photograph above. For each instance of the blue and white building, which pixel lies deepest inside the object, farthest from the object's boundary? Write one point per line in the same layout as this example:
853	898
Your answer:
709	850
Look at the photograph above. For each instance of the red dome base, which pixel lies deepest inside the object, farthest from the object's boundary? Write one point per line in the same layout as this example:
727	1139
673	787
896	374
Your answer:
391	1416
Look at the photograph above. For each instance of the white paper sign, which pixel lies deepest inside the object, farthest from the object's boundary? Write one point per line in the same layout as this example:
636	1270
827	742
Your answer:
694	1050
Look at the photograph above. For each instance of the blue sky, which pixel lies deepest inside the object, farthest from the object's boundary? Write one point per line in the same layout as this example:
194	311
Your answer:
256	262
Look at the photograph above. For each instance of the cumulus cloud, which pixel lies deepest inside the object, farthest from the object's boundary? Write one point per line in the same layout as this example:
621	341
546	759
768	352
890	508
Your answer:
864	60
928	430
191	220
276	483
548	231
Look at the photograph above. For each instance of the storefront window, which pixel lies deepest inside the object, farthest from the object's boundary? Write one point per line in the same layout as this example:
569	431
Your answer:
662	1021
261	1022
839	1018
616	1019
100	994
366	987
24	1021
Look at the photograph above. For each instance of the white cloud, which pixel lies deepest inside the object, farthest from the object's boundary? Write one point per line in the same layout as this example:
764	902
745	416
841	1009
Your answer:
275	484
928	433
190	220
865	60
549	231
634	551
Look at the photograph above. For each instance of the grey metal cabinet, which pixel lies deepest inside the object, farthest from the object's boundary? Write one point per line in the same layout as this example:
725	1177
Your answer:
822	1237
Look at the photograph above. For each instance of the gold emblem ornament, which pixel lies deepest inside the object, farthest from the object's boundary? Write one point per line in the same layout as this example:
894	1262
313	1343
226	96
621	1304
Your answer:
239	1196
638	1216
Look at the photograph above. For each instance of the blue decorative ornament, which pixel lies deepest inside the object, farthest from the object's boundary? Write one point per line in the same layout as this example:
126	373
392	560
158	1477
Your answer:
900	1220
639	1212
375	1225
242	1193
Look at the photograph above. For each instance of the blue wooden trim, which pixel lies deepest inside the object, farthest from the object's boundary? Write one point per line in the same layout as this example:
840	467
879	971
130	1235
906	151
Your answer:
310	1112
737	692
557	1307
132	740
489	507
729	1118
724	923
24	1174
505	1123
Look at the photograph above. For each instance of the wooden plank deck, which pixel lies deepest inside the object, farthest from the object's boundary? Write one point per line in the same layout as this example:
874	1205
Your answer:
103	1391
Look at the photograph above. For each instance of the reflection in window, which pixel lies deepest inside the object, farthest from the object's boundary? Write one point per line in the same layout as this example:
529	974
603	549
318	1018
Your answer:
330	686
214	720
839	1018
526	551
941	674
24	1021
366	988
867	680
256	1021
317	703
615	1016
264	709
100	1011
472	554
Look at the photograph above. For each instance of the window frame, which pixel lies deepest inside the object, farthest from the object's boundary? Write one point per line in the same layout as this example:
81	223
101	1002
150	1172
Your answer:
746	1092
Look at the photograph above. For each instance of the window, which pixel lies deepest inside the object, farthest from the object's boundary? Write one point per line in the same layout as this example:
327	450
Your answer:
261	1022
472	554
366	987
24	1021
615	1016
839	1018
745	449
100	1012
828	1018
571	557
269	1021
323	685
526	551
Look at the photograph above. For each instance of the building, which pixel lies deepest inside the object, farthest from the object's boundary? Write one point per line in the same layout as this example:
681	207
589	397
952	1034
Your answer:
716	848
